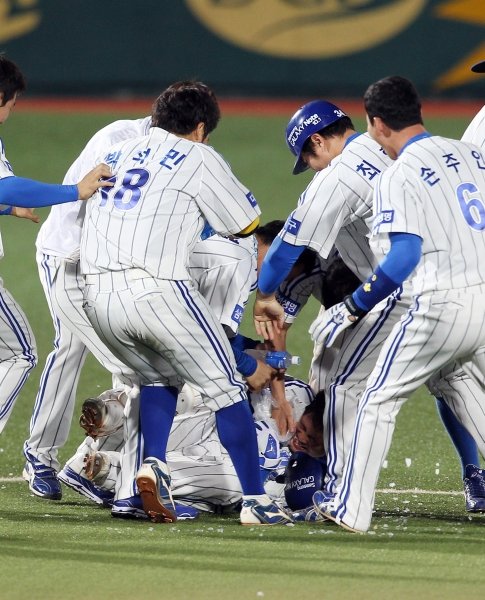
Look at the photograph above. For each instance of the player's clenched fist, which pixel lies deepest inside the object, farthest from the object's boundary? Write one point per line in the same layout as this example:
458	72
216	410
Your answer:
329	325
98	177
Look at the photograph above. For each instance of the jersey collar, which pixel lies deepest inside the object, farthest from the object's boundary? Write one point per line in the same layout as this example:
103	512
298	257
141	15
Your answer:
416	138
351	138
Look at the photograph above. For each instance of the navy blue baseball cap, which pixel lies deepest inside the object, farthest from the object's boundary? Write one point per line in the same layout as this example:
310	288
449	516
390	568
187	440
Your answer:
307	120
479	67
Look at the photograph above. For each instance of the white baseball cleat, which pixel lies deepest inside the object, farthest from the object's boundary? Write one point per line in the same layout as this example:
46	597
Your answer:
261	510
153	481
327	510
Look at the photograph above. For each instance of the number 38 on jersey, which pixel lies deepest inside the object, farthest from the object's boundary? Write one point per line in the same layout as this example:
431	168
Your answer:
126	194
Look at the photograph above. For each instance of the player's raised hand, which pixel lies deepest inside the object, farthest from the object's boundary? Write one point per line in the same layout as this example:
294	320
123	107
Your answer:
268	315
92	181
25	213
329	325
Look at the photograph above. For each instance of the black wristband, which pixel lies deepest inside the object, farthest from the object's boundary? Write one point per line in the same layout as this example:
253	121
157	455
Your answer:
352	307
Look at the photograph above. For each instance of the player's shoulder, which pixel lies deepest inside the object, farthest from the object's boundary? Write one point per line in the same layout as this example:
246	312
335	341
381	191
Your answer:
123	129
362	150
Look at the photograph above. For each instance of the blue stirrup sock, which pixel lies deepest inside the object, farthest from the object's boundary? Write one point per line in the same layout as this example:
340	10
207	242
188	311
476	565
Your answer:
157	411
237	433
464	444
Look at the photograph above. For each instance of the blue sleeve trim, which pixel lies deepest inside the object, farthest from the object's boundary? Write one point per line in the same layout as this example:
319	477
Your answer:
241	342
246	364
18	191
400	262
277	263
6	211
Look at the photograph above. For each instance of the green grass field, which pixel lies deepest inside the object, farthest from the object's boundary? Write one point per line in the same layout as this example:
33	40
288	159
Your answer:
422	545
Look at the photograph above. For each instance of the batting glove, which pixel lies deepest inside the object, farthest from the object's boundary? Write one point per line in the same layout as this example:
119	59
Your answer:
327	327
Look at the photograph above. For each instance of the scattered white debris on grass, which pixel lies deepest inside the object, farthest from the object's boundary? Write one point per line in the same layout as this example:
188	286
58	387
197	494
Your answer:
408	462
385	464
392	484
260	594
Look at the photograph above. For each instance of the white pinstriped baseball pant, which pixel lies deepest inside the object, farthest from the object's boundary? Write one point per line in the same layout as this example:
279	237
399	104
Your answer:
437	329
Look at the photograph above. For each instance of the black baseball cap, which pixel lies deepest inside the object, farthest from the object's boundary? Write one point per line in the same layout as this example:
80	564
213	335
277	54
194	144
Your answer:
479	67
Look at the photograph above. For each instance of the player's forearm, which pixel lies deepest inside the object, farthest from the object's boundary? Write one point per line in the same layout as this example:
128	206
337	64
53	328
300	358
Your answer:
27	193
276	266
400	262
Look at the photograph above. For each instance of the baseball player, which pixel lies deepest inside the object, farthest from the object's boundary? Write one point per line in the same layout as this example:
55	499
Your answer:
58	266
142	302
443	181
336	209
201	470
224	271
17	197
473	476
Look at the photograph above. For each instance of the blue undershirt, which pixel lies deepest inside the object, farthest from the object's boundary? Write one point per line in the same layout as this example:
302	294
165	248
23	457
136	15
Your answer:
27	193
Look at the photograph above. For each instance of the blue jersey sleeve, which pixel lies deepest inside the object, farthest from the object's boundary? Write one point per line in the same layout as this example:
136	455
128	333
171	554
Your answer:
400	262
277	264
27	193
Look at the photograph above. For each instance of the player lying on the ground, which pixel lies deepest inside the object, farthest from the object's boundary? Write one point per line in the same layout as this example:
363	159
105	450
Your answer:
202	473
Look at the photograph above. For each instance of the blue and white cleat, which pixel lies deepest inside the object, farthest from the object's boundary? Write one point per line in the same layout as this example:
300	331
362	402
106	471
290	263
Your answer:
325	507
43	480
474	489
263	511
308	514
153	481
86	488
132	508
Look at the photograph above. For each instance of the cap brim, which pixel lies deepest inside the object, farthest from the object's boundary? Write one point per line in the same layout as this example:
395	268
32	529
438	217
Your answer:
479	67
300	166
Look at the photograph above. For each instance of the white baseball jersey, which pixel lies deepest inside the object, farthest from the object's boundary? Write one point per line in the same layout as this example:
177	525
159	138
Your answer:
475	132
335	207
444	180
181	184
442	183
58	263
60	234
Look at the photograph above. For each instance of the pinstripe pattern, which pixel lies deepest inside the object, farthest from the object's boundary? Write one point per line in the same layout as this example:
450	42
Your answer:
159	232
346	379
424	181
162	329
336	206
17	343
59	239
75	337
446	322
17	353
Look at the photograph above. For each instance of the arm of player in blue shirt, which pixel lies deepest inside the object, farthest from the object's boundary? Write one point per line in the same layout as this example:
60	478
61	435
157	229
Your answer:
277	264
400	262
27	193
